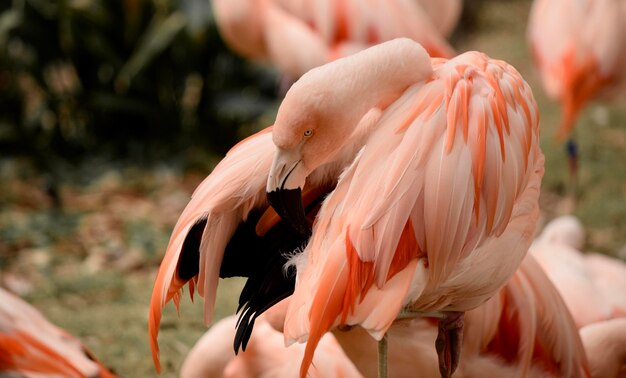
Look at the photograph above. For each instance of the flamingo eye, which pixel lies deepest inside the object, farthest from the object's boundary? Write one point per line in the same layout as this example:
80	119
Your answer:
308	133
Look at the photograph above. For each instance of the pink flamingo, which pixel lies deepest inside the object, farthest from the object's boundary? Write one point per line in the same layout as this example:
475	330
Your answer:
32	347
438	203
212	352
593	286
605	344
444	14
227	228
299	35
579	48
266	355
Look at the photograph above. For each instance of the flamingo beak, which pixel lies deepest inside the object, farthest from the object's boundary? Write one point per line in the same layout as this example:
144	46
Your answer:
284	190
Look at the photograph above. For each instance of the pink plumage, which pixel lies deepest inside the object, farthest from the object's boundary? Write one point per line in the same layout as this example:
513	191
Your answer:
579	47
592	285
523	330
266	355
440	201
297	35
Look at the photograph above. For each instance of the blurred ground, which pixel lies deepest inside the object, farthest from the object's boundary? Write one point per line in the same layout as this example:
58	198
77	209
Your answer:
89	265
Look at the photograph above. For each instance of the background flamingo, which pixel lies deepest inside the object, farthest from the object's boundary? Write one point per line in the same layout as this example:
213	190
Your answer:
443	191
579	48
30	346
299	35
605	344
592	285
444	14
266	355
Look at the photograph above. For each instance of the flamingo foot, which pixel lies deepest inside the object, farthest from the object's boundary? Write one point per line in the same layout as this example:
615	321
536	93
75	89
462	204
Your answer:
448	343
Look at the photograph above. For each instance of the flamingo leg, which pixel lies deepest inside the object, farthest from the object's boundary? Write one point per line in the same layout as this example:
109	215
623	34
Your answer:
571	147
382	357
448	343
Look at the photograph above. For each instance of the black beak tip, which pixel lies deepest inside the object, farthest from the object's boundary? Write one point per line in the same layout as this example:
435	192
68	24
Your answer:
288	205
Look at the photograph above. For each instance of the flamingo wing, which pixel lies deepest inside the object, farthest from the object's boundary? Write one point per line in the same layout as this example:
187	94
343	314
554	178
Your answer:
218	206
228	230
447	183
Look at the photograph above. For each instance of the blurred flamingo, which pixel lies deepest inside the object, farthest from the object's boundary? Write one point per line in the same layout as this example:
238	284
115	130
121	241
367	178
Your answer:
32	347
266	355
605	344
444	14
438	205
592	285
297	35
580	49
212	352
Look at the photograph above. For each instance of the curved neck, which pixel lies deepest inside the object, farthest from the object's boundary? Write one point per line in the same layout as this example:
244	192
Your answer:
338	95
348	88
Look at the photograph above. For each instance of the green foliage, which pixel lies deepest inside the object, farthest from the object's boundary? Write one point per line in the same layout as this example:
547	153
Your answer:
126	78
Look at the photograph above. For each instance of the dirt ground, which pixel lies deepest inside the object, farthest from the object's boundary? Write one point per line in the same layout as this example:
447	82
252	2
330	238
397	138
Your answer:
89	266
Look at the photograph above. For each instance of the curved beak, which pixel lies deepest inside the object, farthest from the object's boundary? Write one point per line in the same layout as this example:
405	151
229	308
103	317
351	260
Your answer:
284	190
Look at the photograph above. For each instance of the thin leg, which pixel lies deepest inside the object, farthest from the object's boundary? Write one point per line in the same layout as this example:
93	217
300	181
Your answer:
382	357
572	164
448	343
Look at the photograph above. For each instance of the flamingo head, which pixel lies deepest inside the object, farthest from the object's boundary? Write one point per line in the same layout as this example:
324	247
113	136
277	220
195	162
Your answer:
327	109
302	144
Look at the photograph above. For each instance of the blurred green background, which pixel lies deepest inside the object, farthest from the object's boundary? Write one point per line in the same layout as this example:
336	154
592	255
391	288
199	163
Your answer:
111	112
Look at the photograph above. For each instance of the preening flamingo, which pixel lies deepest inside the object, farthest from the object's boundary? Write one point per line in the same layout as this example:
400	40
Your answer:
297	35
579	47
32	347
438	205
592	285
